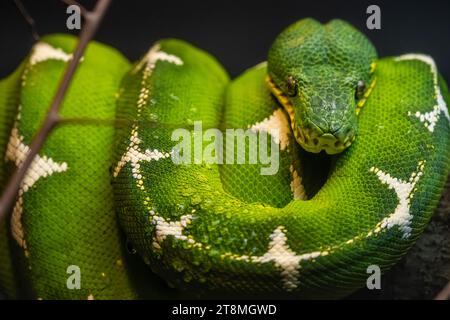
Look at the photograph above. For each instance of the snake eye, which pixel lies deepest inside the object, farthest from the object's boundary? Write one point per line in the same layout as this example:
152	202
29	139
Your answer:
291	86
360	88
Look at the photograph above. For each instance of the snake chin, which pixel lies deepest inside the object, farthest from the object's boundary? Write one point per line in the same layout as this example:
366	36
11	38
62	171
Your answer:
325	142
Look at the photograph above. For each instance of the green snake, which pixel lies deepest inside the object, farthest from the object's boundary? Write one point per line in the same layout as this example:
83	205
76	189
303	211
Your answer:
362	147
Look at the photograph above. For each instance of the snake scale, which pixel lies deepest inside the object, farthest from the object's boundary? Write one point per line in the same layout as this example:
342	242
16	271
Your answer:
363	146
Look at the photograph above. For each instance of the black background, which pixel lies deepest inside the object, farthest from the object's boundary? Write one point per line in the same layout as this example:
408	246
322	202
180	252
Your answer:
238	33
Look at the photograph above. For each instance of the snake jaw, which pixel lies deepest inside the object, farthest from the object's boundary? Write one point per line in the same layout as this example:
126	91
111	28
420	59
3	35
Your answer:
312	139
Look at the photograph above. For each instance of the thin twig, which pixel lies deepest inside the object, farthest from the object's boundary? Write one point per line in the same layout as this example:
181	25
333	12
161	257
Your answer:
96	122
117	123
444	294
28	18
93	19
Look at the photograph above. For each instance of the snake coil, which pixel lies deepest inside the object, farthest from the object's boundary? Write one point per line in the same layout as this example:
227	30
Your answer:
309	230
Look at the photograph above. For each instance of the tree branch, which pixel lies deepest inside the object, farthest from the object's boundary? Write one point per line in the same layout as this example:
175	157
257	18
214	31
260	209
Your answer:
444	294
93	19
28	18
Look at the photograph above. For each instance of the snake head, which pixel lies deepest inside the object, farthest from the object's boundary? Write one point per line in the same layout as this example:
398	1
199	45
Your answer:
319	73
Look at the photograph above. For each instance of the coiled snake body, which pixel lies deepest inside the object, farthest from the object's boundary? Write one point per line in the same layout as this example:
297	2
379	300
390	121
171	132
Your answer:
310	230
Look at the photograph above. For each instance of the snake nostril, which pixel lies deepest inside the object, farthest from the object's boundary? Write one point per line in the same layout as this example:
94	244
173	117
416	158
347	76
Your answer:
316	141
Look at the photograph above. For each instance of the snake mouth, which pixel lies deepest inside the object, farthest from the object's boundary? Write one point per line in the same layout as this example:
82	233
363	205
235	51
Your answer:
326	141
312	138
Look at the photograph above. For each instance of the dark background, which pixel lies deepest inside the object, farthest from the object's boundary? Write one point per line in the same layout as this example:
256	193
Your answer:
238	33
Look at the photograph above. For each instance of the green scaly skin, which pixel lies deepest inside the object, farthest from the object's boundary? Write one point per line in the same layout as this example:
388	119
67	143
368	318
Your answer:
206	227
8	102
200	227
67	216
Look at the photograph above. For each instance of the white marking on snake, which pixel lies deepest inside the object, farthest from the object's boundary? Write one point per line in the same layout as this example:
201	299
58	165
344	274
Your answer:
429	118
283	257
166	228
298	191
154	55
401	216
43	51
134	156
149	60
277	125
41	167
